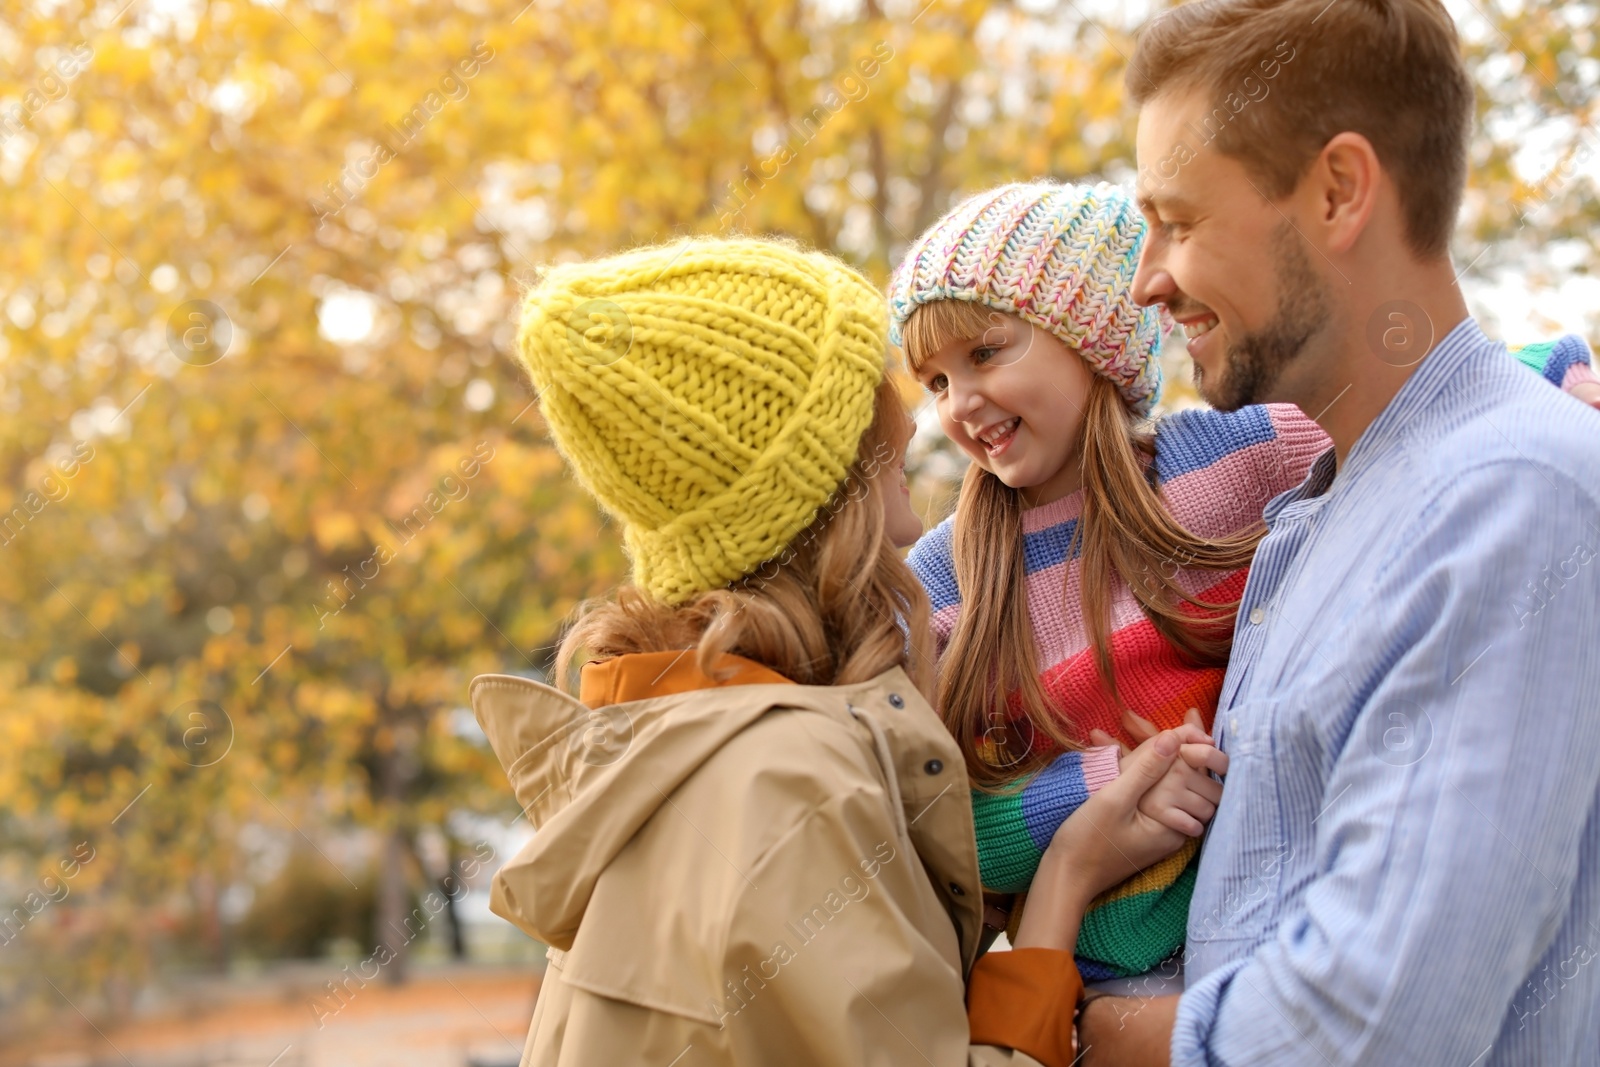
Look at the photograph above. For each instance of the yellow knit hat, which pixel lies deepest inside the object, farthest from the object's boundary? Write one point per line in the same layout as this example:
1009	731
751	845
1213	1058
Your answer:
711	394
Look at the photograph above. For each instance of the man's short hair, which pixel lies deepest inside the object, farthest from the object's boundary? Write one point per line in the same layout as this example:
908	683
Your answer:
1390	70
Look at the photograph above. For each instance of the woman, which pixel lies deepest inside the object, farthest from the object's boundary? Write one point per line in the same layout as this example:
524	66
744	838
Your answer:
755	843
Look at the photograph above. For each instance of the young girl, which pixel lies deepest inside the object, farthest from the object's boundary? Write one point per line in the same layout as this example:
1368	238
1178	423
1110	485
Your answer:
754	844
1085	587
1093	562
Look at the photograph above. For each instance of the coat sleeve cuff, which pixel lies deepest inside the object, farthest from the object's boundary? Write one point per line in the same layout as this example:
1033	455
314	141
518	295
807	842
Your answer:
1025	999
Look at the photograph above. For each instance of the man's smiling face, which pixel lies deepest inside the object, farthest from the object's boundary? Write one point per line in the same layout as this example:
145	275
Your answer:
1227	262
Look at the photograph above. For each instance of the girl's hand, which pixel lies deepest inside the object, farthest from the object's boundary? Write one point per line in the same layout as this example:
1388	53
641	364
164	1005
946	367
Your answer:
1187	796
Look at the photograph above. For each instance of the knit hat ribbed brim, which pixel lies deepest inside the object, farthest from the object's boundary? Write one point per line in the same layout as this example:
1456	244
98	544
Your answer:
1060	256
710	394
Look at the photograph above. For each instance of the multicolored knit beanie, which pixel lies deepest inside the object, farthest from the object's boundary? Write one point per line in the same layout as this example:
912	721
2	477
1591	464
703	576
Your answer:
710	394
1059	256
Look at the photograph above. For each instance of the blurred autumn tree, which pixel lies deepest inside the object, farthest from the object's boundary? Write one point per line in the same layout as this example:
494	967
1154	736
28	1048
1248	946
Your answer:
1532	209
258	597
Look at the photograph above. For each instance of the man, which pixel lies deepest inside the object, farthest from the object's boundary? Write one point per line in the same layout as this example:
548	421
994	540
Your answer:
1405	868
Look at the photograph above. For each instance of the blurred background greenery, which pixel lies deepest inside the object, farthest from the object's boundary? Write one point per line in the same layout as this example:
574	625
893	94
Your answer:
271	487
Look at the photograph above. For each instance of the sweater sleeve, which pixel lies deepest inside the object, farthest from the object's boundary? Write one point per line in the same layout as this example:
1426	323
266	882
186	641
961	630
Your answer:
932	560
1218	469
1298	443
1564	362
1014	828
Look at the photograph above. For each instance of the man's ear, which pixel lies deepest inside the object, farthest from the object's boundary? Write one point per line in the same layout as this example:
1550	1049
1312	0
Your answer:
1346	180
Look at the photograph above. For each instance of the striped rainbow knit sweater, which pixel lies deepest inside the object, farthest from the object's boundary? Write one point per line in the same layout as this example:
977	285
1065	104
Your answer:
1564	362
1216	471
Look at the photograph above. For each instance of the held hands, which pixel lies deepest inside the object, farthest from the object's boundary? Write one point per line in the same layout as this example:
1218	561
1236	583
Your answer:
1186	797
1161	798
1163	795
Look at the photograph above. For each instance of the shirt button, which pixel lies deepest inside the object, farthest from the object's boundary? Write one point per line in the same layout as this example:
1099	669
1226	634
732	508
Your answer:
1233	724
933	766
1256	616
896	700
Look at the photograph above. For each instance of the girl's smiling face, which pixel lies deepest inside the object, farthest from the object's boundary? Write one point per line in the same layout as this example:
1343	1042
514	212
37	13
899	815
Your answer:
1013	399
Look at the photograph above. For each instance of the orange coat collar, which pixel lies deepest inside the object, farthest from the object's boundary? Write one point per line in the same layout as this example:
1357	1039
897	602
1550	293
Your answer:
642	675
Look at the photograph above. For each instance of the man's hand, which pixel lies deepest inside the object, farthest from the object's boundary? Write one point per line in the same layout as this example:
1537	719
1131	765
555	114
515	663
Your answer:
997	909
1127	1031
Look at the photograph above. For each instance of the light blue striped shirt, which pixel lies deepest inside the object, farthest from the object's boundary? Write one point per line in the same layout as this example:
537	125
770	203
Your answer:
1405	867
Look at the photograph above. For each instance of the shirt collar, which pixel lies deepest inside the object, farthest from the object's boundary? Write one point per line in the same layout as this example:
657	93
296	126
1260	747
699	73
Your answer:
1316	483
1394	423
1427	384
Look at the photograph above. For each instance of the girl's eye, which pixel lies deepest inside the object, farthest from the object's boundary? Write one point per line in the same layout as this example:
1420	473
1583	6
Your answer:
937	384
983	355
1177	231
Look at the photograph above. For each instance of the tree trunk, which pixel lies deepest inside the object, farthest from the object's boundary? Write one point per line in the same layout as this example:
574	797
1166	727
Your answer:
392	918
449	886
458	933
396	927
212	935
448	882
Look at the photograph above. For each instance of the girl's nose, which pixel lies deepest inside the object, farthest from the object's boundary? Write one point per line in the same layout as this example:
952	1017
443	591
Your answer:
963	402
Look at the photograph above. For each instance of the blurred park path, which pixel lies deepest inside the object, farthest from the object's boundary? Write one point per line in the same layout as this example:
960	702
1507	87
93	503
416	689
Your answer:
443	1017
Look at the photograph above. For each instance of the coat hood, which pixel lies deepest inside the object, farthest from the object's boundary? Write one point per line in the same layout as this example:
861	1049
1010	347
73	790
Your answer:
589	778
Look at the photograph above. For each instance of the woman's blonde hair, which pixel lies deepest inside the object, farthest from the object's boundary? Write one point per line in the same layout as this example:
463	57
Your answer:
988	675
837	606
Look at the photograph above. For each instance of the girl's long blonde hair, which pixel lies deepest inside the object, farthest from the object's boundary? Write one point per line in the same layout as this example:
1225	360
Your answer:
989	691
837	606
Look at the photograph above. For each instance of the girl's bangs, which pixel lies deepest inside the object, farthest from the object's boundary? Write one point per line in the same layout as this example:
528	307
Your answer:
939	322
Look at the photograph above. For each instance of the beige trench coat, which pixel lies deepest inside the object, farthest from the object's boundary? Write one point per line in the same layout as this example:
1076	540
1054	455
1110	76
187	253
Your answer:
758	874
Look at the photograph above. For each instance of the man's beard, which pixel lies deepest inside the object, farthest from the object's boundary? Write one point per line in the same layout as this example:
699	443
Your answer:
1252	367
